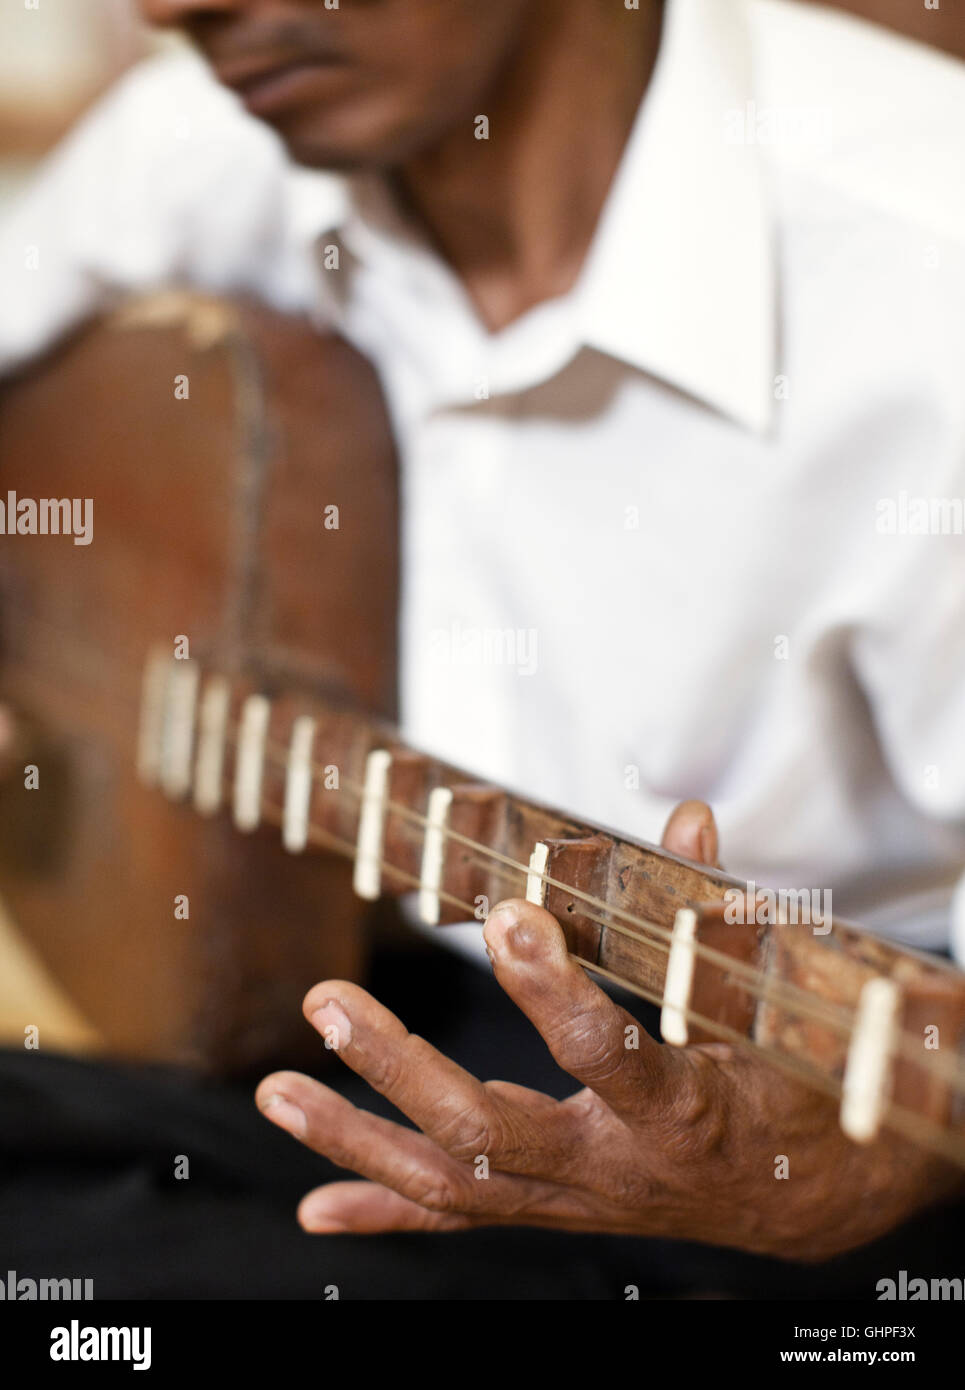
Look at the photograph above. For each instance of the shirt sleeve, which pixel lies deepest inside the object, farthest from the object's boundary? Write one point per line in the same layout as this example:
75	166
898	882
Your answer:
166	180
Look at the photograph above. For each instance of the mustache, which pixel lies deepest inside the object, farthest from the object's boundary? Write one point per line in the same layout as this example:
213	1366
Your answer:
298	40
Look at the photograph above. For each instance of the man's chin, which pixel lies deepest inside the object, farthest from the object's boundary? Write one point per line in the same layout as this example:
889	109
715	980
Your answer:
353	140
328	159
337	151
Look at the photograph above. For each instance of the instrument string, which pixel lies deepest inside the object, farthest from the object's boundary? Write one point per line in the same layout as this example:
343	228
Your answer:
838	1018
752	980
898	1117
804	1003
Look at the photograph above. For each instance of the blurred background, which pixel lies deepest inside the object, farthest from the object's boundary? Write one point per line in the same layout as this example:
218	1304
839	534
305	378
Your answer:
54	61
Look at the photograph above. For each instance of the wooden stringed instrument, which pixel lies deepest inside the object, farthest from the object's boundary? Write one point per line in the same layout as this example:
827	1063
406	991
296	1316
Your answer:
252	769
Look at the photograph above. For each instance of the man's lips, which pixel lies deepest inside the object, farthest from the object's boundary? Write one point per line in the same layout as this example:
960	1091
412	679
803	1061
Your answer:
267	87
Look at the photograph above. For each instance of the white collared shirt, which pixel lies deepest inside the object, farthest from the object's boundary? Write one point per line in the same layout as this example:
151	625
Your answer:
662	536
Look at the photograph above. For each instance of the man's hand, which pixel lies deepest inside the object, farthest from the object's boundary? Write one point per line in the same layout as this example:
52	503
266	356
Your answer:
673	1142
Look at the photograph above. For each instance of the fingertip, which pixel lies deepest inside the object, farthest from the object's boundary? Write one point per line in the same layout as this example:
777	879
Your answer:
339	992
277	1083
499	923
691	832
313	1217
334	1025
519	931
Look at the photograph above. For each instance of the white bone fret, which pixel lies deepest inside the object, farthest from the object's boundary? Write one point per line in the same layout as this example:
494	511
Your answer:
177	744
433	855
250	763
212	731
150	734
679	978
867	1072
535	883
367	879
298	785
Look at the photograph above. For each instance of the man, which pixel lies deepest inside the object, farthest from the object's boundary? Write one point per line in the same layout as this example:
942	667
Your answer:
667	303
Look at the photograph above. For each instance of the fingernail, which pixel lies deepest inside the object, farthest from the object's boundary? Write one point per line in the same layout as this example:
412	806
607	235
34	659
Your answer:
514	940
281	1112
332	1022
500	921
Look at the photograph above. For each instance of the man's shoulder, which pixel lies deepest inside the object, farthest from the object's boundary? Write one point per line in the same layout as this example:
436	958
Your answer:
170	117
171	86
166	179
174	157
874	119
171	102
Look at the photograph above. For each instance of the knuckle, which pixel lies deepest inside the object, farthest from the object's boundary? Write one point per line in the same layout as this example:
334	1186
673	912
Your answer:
466	1134
434	1192
583	1044
634	1190
695	1120
384	1072
496	1131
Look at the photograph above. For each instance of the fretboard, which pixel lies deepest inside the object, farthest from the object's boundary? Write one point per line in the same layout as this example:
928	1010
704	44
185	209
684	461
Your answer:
841	1010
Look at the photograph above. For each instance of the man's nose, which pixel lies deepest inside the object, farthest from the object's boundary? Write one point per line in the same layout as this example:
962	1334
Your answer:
167	13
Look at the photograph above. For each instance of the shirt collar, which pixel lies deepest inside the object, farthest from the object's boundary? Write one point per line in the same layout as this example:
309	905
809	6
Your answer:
680	277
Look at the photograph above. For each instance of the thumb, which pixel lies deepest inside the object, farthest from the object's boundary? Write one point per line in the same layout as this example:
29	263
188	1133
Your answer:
691	832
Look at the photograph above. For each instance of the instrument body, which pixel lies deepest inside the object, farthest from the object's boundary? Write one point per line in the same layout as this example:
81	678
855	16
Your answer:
212	438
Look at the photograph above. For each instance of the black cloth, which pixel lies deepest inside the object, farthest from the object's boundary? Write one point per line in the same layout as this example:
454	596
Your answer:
88	1188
